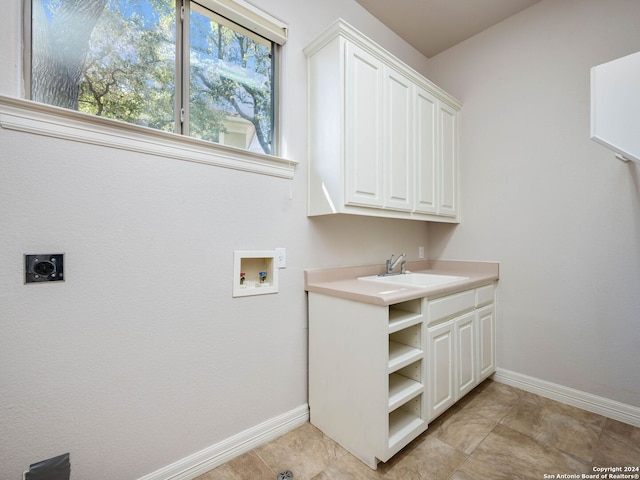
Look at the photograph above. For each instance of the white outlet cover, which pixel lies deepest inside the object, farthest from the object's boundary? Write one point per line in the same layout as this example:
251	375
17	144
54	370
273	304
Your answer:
280	260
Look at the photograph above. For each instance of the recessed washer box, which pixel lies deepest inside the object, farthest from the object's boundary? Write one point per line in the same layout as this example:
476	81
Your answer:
254	272
44	267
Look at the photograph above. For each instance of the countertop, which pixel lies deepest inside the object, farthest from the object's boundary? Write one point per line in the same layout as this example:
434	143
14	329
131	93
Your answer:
343	281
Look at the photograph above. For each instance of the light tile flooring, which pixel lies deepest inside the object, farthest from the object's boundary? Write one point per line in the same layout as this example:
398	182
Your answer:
496	432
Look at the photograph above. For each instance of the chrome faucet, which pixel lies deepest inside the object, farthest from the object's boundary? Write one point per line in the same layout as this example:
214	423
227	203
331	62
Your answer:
391	264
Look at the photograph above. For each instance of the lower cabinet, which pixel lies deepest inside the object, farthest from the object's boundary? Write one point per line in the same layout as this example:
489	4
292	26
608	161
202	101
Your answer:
466	353
461	345
441	381
486	341
379	374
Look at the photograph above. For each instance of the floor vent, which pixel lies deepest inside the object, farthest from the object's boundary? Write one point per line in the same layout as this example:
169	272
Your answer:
56	468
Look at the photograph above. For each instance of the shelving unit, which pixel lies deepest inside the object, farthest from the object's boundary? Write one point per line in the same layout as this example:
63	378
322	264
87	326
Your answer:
405	385
379	352
404	315
406	422
406	382
404	346
379	374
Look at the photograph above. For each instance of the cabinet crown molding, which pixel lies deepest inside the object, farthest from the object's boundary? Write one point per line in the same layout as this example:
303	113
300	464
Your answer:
341	28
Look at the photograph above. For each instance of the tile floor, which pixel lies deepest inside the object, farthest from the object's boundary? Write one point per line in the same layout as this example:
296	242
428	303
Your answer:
496	432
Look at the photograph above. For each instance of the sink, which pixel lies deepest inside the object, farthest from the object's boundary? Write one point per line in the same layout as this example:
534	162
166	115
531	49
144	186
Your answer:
415	279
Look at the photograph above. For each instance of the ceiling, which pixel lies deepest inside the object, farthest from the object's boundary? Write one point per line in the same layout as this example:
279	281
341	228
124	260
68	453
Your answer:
432	26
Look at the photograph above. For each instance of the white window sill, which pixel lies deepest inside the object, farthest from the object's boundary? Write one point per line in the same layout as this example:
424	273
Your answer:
41	119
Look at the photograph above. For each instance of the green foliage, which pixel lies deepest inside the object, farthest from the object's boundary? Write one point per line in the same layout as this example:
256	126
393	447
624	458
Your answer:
130	70
230	73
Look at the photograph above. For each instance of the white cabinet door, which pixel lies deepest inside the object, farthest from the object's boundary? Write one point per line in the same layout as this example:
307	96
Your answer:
448	156
465	335
397	138
441	382
363	121
426	185
376	128
487	341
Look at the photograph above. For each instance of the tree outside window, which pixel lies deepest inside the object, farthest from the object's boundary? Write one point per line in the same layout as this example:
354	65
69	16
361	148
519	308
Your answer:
117	59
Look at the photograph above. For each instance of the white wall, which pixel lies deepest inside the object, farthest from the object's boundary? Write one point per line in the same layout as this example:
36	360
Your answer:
142	357
557	210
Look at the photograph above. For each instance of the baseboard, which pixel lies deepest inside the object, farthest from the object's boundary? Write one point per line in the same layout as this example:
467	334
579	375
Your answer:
201	462
576	398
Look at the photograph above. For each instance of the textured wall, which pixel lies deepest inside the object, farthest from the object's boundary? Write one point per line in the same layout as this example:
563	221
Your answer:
142	354
556	209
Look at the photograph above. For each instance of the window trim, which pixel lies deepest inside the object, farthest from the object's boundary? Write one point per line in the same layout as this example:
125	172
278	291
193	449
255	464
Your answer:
42	119
39	118
270	29
249	17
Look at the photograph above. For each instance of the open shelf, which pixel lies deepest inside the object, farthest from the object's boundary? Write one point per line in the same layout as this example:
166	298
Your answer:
404	314
405	347
402	389
399	319
404	421
401	355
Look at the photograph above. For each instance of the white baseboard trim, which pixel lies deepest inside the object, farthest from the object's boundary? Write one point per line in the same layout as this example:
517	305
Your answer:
201	462
576	398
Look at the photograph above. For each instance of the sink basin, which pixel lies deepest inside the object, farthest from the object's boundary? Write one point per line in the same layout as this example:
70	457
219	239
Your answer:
415	279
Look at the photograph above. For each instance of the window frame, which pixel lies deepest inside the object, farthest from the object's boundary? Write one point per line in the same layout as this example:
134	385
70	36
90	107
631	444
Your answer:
266	29
242	159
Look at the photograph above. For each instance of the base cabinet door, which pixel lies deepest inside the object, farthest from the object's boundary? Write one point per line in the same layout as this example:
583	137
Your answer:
461	345
466	369
486	341
441	368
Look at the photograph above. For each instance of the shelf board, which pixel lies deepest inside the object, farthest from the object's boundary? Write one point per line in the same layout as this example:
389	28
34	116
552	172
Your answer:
401	425
399	319
402	389
401	355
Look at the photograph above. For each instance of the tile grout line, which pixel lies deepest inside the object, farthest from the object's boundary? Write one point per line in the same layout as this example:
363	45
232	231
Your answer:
498	422
255	450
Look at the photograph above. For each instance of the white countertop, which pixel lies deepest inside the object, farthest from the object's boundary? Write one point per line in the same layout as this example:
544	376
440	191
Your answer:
343	281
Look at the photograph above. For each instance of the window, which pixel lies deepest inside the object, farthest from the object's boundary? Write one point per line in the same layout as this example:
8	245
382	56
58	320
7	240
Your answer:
206	69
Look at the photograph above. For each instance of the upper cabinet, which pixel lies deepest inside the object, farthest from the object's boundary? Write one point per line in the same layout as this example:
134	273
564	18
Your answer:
615	106
383	139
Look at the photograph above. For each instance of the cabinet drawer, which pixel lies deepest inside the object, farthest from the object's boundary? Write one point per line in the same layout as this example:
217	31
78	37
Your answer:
449	306
484	295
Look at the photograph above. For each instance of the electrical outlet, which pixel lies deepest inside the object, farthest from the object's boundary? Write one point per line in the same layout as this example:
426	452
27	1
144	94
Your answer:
420	251
281	258
47	267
